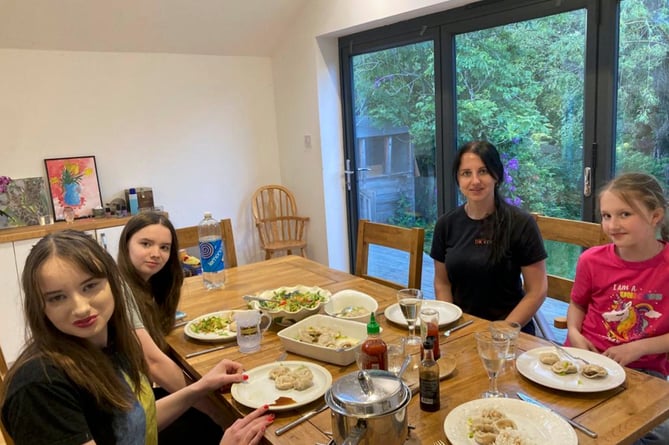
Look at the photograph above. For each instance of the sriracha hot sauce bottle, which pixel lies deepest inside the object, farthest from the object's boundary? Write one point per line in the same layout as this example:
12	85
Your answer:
374	351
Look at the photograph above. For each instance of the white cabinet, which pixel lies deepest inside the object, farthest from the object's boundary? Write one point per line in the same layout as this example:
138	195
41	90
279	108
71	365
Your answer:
13	257
109	239
12	328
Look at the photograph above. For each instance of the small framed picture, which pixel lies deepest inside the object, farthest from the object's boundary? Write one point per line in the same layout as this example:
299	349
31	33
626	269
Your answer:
73	185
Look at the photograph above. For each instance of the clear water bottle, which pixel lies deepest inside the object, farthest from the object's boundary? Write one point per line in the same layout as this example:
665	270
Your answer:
211	252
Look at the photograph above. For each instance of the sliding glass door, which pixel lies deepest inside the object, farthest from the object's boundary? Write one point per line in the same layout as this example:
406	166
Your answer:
391	167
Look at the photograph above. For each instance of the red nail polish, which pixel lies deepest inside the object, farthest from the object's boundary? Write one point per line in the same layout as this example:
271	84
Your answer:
265	406
245	377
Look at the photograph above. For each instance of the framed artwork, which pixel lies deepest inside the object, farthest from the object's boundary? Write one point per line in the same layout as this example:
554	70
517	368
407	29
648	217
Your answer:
73	182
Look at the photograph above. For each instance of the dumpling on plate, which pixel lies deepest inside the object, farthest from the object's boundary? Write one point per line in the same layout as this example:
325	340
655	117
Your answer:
548	358
278	371
284	382
594	371
564	367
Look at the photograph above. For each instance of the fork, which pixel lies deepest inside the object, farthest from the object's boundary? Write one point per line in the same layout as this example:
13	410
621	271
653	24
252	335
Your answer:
455	328
565	352
439	442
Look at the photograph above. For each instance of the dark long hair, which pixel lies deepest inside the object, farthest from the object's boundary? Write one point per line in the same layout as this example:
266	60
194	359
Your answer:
157	298
497	225
87	365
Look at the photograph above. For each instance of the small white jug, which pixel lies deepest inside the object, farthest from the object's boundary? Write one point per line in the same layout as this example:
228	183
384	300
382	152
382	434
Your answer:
250	327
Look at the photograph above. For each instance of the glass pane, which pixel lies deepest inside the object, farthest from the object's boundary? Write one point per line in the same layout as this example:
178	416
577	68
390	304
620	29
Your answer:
394	118
642	127
520	86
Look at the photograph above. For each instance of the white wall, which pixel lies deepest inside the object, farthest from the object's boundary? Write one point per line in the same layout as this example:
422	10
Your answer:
202	131
199	130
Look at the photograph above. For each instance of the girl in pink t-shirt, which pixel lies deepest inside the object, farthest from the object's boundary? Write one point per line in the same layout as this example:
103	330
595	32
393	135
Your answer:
620	300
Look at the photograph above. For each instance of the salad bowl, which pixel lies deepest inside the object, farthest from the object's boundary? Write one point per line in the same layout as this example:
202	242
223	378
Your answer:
289	304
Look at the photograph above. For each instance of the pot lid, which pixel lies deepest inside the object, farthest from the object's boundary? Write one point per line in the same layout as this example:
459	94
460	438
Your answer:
368	392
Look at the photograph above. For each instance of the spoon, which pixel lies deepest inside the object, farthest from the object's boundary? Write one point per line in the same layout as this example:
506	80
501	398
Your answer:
347	310
254	298
405	365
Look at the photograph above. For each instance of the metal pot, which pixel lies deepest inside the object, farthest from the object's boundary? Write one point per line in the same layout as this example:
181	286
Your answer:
369	408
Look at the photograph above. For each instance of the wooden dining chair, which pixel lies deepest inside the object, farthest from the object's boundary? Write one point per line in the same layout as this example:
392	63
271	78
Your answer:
3	372
279	226
188	237
409	240
573	232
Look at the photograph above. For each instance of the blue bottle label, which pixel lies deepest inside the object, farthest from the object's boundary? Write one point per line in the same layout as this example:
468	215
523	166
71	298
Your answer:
211	253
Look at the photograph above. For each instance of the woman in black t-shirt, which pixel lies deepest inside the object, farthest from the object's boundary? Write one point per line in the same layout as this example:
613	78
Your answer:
488	255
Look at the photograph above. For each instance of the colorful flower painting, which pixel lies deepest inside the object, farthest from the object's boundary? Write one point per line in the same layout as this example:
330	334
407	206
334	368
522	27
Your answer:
73	182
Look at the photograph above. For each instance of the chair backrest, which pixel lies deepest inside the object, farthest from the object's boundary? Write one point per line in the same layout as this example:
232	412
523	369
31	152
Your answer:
275	214
579	233
273	201
188	237
409	240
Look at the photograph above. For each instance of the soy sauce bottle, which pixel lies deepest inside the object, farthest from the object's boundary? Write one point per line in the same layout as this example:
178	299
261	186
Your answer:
374	351
429	377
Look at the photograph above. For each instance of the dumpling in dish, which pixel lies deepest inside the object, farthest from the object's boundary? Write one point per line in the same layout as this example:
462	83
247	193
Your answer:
284	382
483	438
594	371
505	423
303	372
564	367
303	382
548	358
492	414
279	370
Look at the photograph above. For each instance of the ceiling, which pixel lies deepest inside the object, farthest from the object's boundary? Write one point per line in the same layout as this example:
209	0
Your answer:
216	27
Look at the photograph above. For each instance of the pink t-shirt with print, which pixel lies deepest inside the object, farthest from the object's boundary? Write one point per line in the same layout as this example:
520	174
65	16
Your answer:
624	301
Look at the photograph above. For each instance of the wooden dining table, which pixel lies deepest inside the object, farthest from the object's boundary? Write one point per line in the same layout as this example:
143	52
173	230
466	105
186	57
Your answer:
618	416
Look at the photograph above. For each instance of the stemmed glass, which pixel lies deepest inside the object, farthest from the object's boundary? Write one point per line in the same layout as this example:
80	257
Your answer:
410	302
492	351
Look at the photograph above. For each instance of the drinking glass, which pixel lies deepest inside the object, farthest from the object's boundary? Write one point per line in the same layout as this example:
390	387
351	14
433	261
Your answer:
396	356
492	351
509	329
410	302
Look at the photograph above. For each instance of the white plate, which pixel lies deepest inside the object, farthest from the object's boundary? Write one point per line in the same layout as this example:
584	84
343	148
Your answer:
538	425
259	389
528	364
448	312
225	335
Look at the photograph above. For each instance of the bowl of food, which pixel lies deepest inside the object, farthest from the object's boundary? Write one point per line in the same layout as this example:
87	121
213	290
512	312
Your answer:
288	305
332	340
352	305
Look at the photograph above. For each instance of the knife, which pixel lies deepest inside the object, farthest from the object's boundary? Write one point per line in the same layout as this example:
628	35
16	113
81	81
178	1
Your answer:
571	422
296	422
205	351
455	328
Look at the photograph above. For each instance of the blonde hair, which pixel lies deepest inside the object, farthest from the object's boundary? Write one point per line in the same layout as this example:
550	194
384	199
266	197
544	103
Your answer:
635	188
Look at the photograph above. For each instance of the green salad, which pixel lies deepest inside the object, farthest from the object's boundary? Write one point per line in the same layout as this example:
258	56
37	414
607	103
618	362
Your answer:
215	324
293	301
